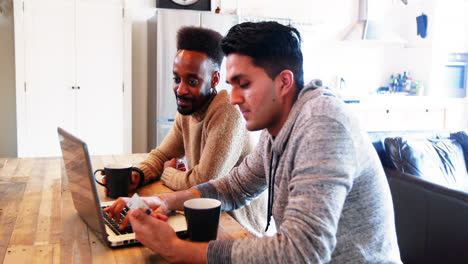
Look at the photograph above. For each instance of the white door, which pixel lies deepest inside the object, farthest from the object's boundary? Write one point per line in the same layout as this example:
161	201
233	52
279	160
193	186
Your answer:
48	93
99	75
69	44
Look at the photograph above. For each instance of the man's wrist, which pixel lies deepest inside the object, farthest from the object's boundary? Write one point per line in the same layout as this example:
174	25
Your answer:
185	195
160	200
175	200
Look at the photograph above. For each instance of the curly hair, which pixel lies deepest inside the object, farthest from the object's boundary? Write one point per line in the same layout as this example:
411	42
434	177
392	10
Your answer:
202	40
272	46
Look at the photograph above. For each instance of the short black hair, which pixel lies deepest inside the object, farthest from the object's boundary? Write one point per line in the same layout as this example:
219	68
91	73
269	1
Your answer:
202	40
272	46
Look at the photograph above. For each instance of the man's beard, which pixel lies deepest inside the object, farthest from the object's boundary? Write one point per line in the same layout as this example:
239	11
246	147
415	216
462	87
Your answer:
184	111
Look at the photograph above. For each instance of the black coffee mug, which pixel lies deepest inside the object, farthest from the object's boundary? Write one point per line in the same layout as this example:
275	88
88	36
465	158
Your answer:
118	178
202	216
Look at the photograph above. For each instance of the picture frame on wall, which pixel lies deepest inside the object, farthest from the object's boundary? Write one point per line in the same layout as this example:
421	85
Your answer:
201	5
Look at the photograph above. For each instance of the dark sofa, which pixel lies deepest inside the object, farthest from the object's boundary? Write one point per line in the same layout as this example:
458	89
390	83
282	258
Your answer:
428	178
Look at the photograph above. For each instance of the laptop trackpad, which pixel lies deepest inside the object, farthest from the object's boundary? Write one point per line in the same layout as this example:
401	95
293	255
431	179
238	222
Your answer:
177	221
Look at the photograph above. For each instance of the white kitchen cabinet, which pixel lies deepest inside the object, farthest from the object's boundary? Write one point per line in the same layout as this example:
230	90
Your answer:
399	114
384	119
70	72
457	114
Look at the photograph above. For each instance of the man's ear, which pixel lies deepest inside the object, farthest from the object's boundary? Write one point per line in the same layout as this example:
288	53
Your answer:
286	82
215	79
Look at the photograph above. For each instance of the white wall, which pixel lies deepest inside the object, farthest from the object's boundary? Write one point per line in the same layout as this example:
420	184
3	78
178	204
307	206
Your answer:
332	13
7	82
141	11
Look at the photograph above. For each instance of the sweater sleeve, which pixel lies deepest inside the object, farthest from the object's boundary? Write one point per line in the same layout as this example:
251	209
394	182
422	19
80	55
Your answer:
172	146
243	184
225	138
321	176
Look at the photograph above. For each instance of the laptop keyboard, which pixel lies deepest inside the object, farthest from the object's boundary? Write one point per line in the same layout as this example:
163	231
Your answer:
115	226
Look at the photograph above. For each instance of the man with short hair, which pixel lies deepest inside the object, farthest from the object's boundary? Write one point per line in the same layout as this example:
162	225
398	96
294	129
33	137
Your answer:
206	124
327	190
208	130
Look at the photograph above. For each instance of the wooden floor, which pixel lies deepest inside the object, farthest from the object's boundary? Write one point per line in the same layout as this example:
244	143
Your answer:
39	224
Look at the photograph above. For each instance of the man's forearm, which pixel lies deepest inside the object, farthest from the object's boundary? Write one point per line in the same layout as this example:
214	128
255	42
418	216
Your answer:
188	252
172	200
176	201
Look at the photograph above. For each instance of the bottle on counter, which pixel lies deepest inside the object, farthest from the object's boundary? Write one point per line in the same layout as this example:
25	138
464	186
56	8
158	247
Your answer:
395	84
409	85
406	80
391	84
419	87
399	84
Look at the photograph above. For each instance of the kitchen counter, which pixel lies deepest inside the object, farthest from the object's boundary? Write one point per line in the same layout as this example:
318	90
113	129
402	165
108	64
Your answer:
400	112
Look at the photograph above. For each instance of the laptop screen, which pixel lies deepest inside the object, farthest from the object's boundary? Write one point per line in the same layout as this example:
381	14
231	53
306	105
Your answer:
81	181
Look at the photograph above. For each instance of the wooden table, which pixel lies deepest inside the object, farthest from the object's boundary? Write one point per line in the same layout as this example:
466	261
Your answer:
39	224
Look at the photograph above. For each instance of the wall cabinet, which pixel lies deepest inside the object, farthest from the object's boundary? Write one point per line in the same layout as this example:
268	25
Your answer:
70	72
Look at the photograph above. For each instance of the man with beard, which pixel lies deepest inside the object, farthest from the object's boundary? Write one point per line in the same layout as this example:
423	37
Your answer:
208	130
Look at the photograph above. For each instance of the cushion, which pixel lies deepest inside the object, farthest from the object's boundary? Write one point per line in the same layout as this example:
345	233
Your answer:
378	138
440	161
462	138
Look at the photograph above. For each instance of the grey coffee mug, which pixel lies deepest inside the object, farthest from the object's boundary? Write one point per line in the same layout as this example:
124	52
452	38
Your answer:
118	178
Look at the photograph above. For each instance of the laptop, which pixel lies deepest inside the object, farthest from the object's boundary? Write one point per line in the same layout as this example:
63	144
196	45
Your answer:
86	199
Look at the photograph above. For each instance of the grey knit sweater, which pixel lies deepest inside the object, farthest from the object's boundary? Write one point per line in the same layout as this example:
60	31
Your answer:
331	200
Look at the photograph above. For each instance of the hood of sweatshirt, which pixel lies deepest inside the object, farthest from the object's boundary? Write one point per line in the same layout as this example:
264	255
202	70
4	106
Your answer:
312	90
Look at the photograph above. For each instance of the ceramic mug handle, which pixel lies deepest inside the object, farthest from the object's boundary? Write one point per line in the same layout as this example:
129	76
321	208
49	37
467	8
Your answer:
100	183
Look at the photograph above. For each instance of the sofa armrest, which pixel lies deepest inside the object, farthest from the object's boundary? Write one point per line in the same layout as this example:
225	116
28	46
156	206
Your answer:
459	196
431	220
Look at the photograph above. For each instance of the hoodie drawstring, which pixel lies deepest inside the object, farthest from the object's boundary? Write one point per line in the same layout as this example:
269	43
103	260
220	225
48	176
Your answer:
271	189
